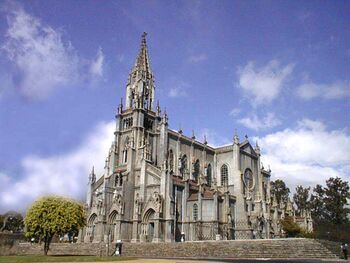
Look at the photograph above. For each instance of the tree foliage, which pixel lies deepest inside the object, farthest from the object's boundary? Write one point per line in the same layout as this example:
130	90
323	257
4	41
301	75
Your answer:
53	215
11	221
302	198
291	228
328	203
280	190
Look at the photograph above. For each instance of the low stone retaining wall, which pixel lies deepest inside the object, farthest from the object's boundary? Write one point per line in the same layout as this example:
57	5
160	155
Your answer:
274	248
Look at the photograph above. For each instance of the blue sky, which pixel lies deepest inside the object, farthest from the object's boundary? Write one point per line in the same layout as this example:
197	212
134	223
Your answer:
277	71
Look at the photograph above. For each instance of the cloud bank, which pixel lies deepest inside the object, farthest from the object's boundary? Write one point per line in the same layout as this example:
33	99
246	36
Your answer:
44	60
65	174
308	154
256	123
265	83
311	90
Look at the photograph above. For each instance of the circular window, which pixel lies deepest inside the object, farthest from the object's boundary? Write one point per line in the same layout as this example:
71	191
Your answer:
248	178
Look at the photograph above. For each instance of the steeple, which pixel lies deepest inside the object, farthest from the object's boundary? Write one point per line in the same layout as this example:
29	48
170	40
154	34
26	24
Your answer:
142	63
140	86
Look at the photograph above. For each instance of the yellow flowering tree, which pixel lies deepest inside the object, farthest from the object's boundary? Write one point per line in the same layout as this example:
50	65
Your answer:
53	215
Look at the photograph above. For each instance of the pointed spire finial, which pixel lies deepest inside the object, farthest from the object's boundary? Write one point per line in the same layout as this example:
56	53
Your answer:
235	138
165	116
120	107
143	36
257	148
92	176
180	129
193	136
205	139
158	108
142	61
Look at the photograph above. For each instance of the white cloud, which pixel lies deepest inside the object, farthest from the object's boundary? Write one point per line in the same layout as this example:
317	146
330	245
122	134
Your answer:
96	67
253	122
265	83
198	58
234	112
44	60
337	90
213	138
308	154
179	89
177	92
64	174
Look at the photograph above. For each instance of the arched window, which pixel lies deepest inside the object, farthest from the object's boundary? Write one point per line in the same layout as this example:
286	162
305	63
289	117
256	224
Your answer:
171	161
183	167
209	176
125	155
196	169
224	175
248	178
195	212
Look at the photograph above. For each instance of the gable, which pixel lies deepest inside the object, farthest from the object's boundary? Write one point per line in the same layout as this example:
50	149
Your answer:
248	149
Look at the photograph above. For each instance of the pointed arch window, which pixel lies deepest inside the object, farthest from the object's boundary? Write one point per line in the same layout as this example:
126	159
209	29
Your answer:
125	156
209	175
196	169
195	212
248	178
224	175
171	161
183	165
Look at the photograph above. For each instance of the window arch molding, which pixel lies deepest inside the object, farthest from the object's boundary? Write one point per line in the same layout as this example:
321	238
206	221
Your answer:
171	160
196	170
248	178
224	171
183	165
209	174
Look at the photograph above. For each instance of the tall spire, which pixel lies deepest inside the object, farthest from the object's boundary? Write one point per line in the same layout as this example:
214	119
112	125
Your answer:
142	62
140	86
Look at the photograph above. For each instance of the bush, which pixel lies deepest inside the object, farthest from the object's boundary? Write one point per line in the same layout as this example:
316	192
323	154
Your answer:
291	228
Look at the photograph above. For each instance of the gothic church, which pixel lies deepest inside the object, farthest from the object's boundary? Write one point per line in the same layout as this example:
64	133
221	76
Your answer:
160	185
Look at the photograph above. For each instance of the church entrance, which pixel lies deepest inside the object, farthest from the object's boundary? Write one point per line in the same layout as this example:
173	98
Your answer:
150	233
148	222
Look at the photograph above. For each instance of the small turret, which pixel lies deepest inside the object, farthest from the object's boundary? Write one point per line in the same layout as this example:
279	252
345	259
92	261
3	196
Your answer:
92	180
92	176
120	106
235	138
205	140
165	117
158	109
257	148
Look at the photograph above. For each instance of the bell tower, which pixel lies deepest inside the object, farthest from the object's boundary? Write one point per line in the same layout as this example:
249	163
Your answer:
138	121
140	85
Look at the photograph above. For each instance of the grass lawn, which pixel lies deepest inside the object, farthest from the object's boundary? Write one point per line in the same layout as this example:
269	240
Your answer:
20	259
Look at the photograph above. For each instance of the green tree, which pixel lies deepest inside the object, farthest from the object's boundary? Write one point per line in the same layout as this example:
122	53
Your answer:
335	199
302	198
53	215
280	190
317	205
328	203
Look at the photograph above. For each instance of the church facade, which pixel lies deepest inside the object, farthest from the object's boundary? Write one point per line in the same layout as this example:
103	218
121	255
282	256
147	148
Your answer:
160	185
